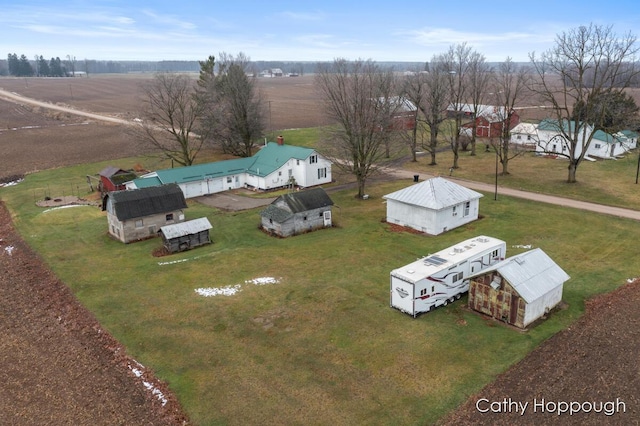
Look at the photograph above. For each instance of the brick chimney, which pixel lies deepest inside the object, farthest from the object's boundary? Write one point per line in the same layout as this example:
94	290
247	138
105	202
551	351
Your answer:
280	140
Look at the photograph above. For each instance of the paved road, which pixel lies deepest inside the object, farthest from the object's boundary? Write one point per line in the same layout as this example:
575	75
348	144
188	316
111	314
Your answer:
402	174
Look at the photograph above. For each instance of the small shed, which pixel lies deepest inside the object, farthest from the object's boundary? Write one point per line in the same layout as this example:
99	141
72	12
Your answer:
138	214
113	179
297	212
433	206
186	235
520	289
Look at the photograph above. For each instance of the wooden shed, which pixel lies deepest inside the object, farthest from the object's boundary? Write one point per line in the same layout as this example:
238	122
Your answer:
186	235
297	212
113	179
520	289
138	214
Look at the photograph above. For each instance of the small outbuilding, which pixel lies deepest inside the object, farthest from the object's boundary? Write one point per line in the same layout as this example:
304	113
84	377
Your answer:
138	214
433	206
186	235
297	212
114	179
520	289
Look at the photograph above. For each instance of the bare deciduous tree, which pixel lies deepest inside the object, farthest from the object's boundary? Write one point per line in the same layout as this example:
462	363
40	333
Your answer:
509	85
429	91
458	62
359	97
586	64
170	118
478	80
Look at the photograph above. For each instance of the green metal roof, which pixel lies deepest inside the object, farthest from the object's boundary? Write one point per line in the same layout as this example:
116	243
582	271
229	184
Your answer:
273	156
266	161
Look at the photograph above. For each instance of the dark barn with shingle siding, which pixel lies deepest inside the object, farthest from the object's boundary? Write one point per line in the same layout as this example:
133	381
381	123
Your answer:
138	214
297	213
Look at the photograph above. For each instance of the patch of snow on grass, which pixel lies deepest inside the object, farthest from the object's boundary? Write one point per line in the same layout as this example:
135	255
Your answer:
528	246
154	391
263	281
68	206
12	183
217	291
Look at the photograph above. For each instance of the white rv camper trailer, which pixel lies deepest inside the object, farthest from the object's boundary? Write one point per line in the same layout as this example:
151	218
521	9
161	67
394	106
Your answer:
442	277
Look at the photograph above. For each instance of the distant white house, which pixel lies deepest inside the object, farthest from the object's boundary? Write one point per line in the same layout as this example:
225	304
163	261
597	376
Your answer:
276	165
525	135
550	140
520	289
433	206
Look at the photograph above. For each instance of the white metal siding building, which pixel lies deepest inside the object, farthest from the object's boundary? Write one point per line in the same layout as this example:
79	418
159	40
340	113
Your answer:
433	206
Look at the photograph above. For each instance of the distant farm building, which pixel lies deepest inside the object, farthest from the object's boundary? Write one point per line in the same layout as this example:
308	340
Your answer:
186	235
520	289
433	206
114	179
134	215
297	212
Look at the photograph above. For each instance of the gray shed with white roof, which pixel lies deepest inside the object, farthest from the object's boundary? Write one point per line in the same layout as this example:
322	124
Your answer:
186	235
520	289
433	206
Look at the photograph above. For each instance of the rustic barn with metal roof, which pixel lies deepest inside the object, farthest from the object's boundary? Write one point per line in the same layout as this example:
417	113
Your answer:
138	214
433	206
520	289
297	212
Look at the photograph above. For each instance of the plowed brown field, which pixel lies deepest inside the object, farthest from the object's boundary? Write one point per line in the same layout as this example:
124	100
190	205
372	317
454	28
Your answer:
60	367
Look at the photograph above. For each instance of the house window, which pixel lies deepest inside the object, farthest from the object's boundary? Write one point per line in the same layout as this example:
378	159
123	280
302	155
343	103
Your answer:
321	214
280	173
457	277
297	162
467	207
597	146
433	288
423	292
229	180
518	137
528	137
494	254
313	159
322	173
139	223
169	217
304	218
455	212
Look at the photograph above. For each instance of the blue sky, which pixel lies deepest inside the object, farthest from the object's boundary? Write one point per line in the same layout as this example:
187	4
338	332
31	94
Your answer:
296	30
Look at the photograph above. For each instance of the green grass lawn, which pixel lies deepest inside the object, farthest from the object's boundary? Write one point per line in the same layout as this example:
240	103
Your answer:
321	346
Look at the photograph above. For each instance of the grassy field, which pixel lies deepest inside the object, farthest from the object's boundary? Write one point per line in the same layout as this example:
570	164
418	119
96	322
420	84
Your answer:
321	345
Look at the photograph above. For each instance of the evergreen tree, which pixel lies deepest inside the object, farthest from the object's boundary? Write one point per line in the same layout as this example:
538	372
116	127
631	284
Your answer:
24	68
43	67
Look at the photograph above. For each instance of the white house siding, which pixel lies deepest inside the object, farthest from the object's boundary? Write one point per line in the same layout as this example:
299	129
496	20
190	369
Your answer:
432	222
542	305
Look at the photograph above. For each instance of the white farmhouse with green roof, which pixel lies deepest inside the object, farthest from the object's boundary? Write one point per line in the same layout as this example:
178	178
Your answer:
276	165
550	140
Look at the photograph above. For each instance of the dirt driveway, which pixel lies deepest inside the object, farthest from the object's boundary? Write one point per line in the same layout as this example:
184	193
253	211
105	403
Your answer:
233	201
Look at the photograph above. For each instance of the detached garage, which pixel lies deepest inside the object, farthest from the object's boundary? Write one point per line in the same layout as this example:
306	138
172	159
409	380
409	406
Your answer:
518	290
433	206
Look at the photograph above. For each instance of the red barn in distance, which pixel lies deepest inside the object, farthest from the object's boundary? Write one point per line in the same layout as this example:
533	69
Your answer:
489	120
